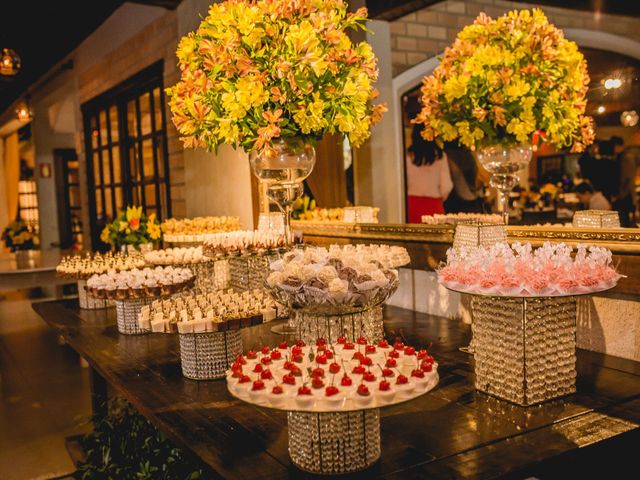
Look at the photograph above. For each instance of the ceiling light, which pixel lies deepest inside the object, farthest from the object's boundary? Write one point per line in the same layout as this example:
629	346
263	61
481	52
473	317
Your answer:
9	62
601	109
24	111
612	83
629	118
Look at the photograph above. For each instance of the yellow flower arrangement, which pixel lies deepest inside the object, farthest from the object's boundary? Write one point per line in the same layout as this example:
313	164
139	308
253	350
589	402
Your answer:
512	80
132	227
257	70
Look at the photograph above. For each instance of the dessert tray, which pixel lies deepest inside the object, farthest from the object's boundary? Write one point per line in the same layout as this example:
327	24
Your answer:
139	284
330	378
82	267
517	270
181	256
244	243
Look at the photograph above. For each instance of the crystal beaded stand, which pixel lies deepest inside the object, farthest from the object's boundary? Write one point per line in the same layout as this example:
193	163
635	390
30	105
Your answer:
311	326
87	302
250	272
207	356
478	234
596	219
334	443
525	348
127	312
205	273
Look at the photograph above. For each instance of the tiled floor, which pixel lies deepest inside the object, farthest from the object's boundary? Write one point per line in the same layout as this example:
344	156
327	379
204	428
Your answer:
44	396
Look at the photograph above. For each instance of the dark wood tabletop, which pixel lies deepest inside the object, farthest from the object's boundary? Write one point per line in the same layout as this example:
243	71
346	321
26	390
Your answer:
452	432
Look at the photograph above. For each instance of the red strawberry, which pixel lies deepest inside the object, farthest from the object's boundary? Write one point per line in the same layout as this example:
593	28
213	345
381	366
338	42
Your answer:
296	350
251	355
334	367
370	349
317	372
385	386
298	358
349	346
328	354
317	382
265	350
391	362
296	372
383	343
387	372
240	359
244	379
289	379
398	345
402	380
422	354
426	367
257	368
366	361
394	354
288	365
342	340
346	381
321	359
362	341
358	370
277	390
266	375
265	360
409	351
417	373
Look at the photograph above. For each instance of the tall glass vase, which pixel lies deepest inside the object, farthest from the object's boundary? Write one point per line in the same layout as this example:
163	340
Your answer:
283	170
503	163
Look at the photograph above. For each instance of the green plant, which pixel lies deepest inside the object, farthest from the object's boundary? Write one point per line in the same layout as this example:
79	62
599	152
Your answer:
124	445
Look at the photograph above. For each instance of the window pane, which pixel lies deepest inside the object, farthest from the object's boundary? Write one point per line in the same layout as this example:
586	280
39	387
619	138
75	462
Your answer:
145	113
99	211
147	156
106	172
94	132
160	149
74	196
113	118
118	194
107	203
117	176
96	169
162	208
150	195
132	123
134	173
72	176
103	128
157	108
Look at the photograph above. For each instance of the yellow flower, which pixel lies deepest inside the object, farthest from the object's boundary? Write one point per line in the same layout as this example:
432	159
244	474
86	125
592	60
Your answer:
133	213
104	235
455	87
516	88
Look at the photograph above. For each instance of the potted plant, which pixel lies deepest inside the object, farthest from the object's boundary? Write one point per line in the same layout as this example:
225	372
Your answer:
132	229
22	240
272	77
504	86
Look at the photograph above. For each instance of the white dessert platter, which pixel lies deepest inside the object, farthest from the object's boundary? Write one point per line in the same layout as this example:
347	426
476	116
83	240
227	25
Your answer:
347	399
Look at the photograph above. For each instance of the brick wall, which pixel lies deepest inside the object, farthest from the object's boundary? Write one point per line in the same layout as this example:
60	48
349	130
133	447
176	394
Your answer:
158	40
426	33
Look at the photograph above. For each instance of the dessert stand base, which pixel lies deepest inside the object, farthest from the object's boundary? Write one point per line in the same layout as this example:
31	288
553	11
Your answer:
87	302
334	443
309	327
248	273
207	356
525	348
127	312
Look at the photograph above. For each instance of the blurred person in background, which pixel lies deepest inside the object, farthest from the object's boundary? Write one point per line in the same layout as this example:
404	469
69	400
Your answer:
466	195
428	178
625	202
591	198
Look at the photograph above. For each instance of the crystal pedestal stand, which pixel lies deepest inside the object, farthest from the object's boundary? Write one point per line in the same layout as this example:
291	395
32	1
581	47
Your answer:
334	443
309	327
127	312
87	302
525	348
207	356
248	273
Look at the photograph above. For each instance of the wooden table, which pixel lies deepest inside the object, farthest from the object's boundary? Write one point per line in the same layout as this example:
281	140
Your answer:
453	432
